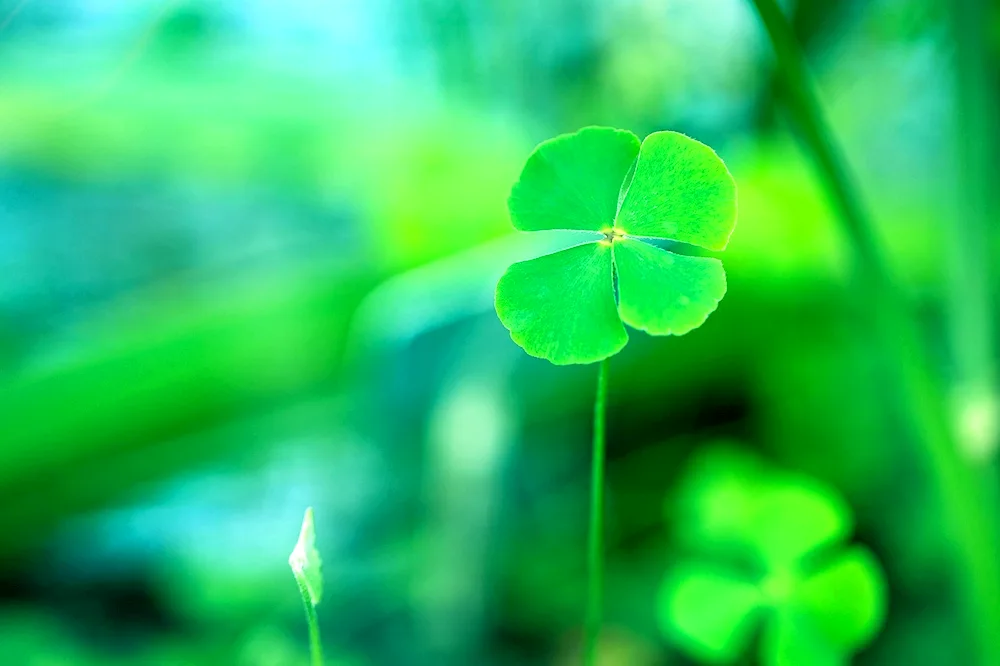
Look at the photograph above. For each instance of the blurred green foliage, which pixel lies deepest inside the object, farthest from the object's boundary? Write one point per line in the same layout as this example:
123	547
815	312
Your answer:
248	255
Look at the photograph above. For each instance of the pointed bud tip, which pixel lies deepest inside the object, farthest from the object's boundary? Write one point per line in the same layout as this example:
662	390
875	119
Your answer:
305	560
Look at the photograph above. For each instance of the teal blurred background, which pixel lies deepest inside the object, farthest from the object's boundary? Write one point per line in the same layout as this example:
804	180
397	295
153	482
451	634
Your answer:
247	259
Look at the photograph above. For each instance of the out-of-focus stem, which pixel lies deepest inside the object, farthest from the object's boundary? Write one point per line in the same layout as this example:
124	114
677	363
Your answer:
966	494
595	541
823	148
971	332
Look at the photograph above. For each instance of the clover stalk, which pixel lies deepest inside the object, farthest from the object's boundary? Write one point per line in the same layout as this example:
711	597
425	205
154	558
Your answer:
595	539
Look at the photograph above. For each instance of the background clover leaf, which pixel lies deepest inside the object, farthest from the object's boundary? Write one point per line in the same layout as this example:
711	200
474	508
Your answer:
789	639
710	612
846	599
603	180
794	516
732	503
820	604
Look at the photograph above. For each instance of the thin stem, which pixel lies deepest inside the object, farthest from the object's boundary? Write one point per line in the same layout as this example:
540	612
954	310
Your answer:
595	540
811	122
965	492
971	327
315	644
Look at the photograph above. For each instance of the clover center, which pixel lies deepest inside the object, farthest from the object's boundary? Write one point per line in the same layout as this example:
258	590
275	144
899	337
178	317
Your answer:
611	234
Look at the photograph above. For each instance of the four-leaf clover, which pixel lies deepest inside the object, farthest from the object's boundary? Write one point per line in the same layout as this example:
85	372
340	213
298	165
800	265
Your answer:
770	557
569	307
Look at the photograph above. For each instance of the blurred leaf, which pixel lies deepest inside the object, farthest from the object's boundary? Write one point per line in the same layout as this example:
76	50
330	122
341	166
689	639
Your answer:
793	517
846	599
733	504
712	506
151	379
244	124
789	641
709	612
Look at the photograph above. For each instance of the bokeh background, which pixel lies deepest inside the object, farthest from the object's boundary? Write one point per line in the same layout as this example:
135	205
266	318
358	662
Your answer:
247	260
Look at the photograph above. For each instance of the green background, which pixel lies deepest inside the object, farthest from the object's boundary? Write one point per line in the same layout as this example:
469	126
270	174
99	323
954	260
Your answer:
248	253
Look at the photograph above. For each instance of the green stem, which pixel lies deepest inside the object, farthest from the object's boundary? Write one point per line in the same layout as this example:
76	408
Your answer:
595	540
970	316
811	122
965	492
315	645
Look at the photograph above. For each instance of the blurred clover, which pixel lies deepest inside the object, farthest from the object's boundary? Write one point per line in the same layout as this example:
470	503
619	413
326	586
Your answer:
771	557
563	307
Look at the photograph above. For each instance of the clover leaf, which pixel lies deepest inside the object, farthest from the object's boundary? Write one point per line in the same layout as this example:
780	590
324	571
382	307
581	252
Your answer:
564	306
770	557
